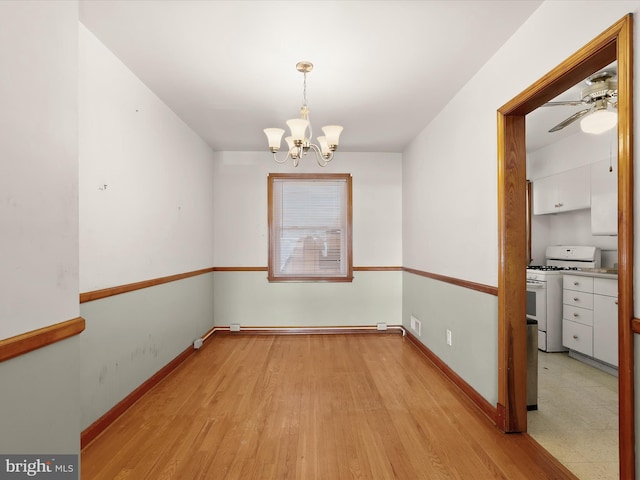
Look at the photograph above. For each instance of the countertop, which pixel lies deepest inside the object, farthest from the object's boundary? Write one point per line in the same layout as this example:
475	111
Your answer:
594	272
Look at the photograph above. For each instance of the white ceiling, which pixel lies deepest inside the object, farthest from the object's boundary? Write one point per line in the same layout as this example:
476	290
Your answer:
542	119
383	69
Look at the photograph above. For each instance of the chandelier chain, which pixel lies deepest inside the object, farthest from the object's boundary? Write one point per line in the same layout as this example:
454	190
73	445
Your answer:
304	90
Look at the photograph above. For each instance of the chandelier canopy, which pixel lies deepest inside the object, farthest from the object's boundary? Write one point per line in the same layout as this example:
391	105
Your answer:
299	142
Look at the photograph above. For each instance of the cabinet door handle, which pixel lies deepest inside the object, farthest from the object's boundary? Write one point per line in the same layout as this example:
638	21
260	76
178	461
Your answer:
575	315
576	283
575	299
558	205
616	302
575	337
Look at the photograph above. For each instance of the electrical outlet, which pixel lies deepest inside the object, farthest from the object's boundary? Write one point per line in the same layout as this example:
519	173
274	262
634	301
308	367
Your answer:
234	327
381	326
448	337
415	325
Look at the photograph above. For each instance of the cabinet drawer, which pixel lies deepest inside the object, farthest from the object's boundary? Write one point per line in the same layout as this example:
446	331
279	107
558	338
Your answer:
577	299
605	286
578	337
577	282
577	314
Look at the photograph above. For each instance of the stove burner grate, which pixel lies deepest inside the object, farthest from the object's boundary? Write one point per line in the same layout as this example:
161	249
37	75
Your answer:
549	268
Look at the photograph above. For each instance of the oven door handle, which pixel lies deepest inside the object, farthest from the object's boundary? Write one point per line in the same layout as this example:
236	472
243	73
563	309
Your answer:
534	284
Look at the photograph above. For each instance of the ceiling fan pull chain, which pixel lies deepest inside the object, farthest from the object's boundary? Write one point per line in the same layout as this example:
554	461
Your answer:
610	155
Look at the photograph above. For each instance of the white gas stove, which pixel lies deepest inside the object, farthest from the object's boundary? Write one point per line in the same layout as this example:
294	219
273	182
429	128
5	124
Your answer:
544	290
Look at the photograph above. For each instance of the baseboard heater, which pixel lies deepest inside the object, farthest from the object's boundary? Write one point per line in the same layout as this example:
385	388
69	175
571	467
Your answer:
235	328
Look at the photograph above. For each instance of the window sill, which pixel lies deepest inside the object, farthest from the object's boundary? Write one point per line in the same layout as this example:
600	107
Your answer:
292	279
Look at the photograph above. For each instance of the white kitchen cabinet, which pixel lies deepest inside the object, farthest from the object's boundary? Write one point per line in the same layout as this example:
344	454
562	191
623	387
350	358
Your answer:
605	320
604	198
590	316
577	313
544	195
570	190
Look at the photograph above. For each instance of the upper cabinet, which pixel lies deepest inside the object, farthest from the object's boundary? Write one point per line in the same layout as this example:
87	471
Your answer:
563	192
604	198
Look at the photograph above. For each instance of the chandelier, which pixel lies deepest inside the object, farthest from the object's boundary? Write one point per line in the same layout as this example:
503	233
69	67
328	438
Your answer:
299	142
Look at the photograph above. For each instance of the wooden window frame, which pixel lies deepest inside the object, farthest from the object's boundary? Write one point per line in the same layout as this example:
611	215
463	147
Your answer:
348	276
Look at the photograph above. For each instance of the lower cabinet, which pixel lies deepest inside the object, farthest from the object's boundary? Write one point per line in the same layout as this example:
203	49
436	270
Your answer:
605	321
590	317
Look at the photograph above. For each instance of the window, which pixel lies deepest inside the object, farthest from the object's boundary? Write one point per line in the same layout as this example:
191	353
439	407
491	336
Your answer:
310	227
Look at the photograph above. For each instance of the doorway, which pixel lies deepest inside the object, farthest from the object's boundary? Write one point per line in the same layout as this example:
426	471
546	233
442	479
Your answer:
615	44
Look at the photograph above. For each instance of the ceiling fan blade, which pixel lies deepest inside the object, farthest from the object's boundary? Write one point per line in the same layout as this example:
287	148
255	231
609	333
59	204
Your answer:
570	120
568	102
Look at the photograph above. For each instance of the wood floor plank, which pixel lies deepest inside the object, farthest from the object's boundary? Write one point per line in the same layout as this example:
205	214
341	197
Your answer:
310	407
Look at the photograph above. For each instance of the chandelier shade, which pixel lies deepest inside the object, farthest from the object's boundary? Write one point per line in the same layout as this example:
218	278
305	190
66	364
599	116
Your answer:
299	142
298	127
274	136
324	146
332	132
289	141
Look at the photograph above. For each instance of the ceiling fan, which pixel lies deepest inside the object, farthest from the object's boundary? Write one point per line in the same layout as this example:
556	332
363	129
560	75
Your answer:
600	93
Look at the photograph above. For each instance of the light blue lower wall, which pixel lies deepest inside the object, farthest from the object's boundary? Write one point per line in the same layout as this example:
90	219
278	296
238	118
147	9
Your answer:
636	362
471	316
129	337
248	299
40	401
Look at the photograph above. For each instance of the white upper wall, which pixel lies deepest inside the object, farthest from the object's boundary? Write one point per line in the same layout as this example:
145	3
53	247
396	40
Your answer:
146	199
241	230
39	165
569	228
572	152
450	223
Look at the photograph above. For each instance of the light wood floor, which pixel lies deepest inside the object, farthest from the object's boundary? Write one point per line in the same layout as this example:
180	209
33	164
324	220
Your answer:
310	407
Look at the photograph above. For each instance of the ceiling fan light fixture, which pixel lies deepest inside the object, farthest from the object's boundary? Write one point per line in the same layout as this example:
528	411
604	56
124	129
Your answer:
600	93
599	121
